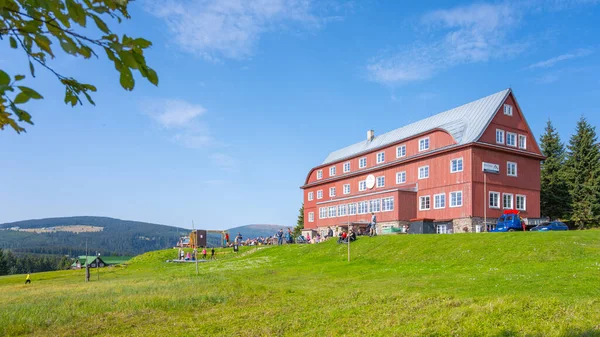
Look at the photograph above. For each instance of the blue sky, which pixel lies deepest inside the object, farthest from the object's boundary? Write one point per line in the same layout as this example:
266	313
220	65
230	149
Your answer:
253	94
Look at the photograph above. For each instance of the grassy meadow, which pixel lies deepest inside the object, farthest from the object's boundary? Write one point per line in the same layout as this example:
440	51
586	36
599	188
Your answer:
488	284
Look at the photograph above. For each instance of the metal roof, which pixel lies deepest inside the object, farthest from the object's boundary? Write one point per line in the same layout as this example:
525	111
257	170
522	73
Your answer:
465	124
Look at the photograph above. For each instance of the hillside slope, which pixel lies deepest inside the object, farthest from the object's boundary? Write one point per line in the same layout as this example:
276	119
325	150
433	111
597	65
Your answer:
514	284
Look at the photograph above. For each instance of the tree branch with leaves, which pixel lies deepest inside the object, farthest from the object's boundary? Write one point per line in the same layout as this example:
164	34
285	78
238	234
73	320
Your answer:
36	26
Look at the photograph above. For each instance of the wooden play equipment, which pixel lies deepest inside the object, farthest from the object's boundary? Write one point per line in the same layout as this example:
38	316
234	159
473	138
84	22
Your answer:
198	238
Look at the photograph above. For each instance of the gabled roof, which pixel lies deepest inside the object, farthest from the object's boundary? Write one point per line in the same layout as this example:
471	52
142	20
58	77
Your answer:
465	124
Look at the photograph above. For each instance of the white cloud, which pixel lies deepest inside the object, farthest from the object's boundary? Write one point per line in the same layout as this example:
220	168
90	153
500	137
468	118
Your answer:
224	161
564	57
216	29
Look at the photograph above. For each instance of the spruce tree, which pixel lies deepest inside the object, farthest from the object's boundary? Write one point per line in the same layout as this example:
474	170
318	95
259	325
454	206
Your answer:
583	175
300	223
555	198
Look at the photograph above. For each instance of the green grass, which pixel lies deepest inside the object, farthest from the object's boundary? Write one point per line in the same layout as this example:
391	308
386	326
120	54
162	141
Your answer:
501	284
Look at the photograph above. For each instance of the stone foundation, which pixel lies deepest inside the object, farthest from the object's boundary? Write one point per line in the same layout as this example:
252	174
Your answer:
468	225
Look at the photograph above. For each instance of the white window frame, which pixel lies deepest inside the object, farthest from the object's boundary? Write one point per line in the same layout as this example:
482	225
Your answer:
501	133
387	204
352	208
441	229
457	160
347	167
362	210
443	199
427	169
319	174
375	205
523	142
311	217
513	136
320	194
512	201
361	161
346	189
401	174
332	171
380	157
421	198
497	194
456	193
401	151
332	210
362	185
508	109
342	210
332	192
509	171
323	213
422	143
311	196
524	206
380	179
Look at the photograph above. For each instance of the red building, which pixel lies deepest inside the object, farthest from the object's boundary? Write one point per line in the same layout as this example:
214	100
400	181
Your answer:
432	169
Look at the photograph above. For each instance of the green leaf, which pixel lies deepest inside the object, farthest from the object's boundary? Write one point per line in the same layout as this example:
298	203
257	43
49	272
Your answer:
128	59
4	78
101	25
30	92
142	43
69	46
13	43
31	69
126	79
19	77
76	12
89	98
21	98
152	76
44	43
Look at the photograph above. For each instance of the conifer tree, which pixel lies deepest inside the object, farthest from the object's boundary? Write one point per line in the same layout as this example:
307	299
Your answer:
555	198
583	175
300	223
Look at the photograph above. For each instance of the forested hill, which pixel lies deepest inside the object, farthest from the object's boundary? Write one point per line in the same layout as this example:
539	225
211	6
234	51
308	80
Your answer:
67	236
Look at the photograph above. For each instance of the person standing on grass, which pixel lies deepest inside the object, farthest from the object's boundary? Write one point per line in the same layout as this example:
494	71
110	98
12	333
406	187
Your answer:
204	253
280	237
330	233
212	253
27	279
373	225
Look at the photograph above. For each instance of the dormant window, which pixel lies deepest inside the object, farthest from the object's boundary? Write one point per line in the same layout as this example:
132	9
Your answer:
507	201
311	196
456	165
400	177
499	136
352	209
381	181
439	201
323	213
522	142
511	139
332	191
362	185
332	171
380	157
401	151
347	167
363	207
320	194
424	144
387	204
456	199
494	200
311	217
320	174
521	202
511	169
424	172
508	109
424	203
346	188
362	163
332	211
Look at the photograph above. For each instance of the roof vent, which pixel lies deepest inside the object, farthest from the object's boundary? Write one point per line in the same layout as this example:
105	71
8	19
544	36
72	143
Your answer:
370	135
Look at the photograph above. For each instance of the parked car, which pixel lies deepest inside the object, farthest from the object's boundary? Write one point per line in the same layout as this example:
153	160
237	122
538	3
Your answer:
510	221
551	226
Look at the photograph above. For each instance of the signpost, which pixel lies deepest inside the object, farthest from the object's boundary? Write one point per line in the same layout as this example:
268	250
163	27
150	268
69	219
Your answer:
487	168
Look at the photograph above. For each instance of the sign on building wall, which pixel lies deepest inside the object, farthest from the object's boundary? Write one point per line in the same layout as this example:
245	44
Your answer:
491	168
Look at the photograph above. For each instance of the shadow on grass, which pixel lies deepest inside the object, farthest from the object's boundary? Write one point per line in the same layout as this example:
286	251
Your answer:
593	332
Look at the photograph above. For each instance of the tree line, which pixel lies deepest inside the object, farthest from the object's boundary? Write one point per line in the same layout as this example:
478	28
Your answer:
570	176
11	264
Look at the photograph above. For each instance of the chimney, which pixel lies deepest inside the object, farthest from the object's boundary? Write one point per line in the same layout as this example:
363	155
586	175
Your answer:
370	135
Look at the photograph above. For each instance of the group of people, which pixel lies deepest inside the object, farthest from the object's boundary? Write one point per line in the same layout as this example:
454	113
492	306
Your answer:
192	256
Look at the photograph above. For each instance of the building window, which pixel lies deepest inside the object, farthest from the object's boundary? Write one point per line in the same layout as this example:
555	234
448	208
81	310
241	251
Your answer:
511	169
424	172
439	201
508	109
380	157
400	177
387	204
323	213
521	202
381	181
456	165
352	209
347	167
320	194
341	210
332	191
332	171
494	200
441	229
362	162
320	174
511	139
522	142
311	196
499	136
346	188
424	144
375	205
363	207
424	203
362	185
311	217
507	201
456	199
401	151
332	211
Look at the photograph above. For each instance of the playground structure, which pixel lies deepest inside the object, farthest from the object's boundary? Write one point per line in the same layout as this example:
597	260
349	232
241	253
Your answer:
199	238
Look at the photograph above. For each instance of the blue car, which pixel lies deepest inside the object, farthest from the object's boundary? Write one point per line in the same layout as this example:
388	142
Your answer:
551	226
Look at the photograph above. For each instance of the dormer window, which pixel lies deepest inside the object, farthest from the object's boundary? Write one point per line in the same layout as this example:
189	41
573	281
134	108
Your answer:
508	109
424	144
